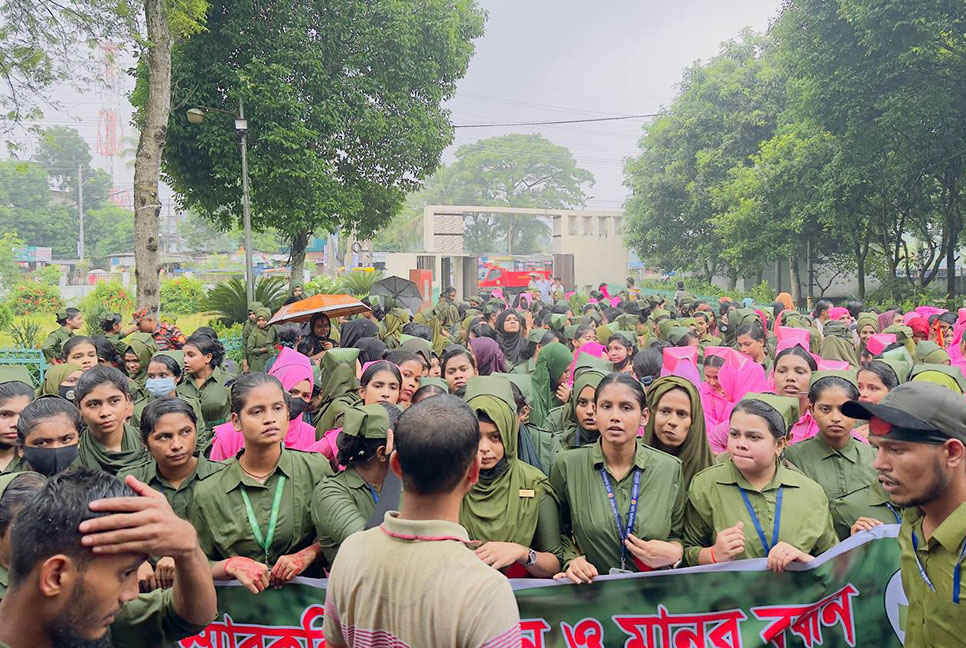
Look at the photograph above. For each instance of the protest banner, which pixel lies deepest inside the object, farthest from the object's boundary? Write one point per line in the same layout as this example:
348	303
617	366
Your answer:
849	596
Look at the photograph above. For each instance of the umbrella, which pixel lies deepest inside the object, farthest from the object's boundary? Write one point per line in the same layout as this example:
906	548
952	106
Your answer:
403	291
331	305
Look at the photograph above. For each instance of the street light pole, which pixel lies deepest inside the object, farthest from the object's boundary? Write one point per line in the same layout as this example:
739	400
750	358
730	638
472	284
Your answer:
241	125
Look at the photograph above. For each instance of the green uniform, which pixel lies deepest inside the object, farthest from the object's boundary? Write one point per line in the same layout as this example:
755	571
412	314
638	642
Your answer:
204	432
117	339
527	367
219	514
4	582
91	454
213	395
715	503
933	620
179	498
55	342
17	464
260	338
341	506
150	621
538	448
848	479
587	521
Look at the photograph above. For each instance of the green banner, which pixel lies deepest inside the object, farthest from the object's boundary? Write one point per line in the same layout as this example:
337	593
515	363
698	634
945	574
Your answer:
849	596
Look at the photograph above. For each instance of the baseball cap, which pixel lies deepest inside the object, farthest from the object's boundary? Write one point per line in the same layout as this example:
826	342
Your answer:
916	411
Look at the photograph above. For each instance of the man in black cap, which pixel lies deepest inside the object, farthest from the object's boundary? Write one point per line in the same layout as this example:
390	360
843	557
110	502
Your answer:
919	430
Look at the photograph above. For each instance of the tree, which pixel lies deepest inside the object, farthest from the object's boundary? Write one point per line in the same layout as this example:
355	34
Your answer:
110	230
344	108
62	151
9	270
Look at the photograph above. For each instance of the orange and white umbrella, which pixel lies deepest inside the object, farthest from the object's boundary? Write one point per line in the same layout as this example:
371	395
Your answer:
331	305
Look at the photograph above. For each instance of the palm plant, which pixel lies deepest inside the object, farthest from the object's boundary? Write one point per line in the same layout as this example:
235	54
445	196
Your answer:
229	301
358	282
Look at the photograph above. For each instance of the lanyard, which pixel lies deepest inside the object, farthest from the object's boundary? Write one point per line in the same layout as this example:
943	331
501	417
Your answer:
754	519
623	532
372	490
895	512
266	542
957	569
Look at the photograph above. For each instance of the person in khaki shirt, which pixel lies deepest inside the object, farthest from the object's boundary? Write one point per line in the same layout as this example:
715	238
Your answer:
752	505
919	430
75	550
421	553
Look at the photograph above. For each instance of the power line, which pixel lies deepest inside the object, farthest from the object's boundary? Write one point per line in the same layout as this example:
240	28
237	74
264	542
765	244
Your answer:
564	121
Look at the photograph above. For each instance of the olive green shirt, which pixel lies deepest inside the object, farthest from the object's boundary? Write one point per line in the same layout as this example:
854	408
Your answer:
848	479
150	621
91	454
55	343
4	582
587	521
17	464
179	498
715	504
933	620
341	506
527	367
219	515
204	432
214	396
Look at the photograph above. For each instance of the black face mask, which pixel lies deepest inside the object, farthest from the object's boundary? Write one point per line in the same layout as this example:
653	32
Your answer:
296	408
50	461
67	393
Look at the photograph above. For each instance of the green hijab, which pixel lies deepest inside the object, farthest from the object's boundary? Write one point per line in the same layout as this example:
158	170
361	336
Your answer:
338	373
417	345
16	373
664	327
931	353
92	454
571	331
553	361
695	452
900	368
949	377
580	436
54	376
431	319
366	421
500	507
393	324
144	353
839	344
866	319
903	336
557	322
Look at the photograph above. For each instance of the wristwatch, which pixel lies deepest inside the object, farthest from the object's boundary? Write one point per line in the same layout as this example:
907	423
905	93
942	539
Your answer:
531	559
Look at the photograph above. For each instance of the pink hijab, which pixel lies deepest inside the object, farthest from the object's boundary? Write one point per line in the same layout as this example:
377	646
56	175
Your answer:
595	349
291	368
740	375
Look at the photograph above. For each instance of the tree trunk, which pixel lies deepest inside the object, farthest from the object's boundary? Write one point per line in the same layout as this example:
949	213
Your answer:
147	161
796	281
347	241
297	245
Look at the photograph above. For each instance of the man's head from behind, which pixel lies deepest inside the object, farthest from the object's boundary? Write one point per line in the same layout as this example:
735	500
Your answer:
76	593
436	443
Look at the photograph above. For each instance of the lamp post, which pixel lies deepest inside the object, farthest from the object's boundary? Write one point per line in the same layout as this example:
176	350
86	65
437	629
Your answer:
196	116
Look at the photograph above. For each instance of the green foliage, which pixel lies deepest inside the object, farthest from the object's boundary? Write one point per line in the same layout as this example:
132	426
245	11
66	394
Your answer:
339	129
26	333
107	297
49	275
29	298
358	282
9	270
322	284
182	296
109	230
6	317
763	293
229	302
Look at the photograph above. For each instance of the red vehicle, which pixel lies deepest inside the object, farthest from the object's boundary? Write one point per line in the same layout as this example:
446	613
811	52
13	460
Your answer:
509	281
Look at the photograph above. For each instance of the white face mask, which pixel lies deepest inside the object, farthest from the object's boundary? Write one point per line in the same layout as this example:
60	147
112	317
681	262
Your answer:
160	386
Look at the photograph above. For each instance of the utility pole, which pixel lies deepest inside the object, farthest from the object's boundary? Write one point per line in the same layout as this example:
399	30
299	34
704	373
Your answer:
241	125
80	211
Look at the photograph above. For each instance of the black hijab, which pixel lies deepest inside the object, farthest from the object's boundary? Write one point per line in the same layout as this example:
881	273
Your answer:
513	345
355	330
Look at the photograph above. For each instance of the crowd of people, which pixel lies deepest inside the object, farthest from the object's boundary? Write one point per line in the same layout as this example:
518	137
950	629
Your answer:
611	434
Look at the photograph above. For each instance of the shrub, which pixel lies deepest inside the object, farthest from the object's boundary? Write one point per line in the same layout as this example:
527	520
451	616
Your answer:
322	284
229	302
33	297
358	282
181	296
107	297
49	275
6	317
26	333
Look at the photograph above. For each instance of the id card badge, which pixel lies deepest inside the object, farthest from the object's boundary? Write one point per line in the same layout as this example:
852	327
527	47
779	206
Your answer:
614	571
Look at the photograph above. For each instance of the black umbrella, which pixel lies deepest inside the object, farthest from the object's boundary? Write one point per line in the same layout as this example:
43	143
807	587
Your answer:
403	291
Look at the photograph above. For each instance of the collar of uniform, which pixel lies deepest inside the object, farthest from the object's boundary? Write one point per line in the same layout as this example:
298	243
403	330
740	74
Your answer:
783	477
849	450
640	455
422	530
217	375
353	479
950	533
235	476
204	469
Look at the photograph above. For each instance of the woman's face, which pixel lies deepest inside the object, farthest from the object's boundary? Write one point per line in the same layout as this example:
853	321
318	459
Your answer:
711	377
159	370
700	325
584	409
383	388
84	355
751	347
871	387
411	370
194	360
132	364
71	380
616	352
589	336
459	370
261	322
792	375
827	411
618	414
105	408
302	389
434	368
321	328
9	416
866	332
511	324
263	419
54	432
672	418
750	444
173	441
897	318
491	446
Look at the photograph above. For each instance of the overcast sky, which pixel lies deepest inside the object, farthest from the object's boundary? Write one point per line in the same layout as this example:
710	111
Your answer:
542	60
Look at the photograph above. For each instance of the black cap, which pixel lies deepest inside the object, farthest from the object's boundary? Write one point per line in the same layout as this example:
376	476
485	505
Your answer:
916	411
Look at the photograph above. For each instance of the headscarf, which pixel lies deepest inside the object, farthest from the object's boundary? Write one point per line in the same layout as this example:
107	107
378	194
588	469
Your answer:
370	349
291	368
919	326
885	319
736	381
949	377
430	319
838	343
493	510
931	353
143	352
587	378
54	376
489	357
418	346
393	324
785	300
904	336
695	452
591	350
513	345
317	342
16	373
866	319
553	361
355	330
263	312
338	382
